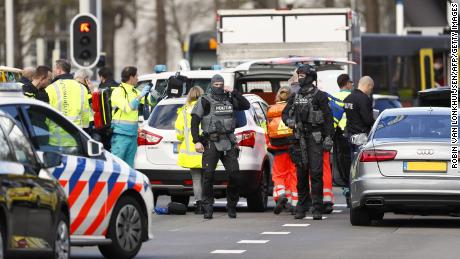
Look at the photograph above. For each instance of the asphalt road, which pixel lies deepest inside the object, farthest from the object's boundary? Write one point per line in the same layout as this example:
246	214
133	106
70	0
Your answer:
397	236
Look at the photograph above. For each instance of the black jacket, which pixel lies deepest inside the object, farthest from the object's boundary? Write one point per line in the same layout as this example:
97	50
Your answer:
109	83
31	91
320	101
360	115
240	103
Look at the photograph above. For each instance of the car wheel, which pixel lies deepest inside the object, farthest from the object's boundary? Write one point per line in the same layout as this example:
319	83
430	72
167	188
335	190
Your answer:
2	242
376	215
62	239
126	230
359	217
258	201
181	199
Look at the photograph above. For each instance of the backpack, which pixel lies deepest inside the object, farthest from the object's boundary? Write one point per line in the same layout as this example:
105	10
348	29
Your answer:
337	110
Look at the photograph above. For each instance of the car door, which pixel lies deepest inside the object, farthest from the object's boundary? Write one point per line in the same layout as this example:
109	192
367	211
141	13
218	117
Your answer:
87	181
37	193
261	121
14	190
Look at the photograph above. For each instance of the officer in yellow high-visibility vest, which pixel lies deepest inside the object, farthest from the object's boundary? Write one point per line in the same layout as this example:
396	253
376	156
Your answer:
71	99
125	102
188	157
342	146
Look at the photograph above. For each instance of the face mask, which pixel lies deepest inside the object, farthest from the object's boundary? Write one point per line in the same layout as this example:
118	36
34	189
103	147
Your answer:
217	90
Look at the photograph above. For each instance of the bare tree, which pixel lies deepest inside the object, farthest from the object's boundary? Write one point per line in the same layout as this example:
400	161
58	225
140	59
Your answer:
192	11
161	33
372	15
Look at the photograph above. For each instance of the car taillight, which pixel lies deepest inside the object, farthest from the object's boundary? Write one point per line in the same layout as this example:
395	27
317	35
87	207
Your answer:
377	155
247	138
145	138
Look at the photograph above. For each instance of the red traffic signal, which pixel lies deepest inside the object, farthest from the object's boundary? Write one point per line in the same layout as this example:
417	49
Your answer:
84	41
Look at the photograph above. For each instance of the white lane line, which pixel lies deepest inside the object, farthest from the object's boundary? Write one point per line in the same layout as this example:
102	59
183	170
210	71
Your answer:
228	251
340	205
296	225
253	241
240	203
337	211
275	233
311	218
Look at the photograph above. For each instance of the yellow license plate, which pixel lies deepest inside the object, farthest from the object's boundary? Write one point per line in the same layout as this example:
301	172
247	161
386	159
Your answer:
440	167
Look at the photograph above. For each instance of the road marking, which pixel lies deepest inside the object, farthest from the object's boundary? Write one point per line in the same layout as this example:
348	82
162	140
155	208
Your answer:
228	251
253	241
296	225
337	211
311	218
240	203
340	205
275	233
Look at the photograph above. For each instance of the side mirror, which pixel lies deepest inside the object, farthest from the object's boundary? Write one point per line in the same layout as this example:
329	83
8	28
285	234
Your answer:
51	159
94	148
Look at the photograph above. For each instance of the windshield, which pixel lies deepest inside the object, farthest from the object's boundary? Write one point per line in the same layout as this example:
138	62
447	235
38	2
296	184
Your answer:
383	104
164	117
409	127
204	83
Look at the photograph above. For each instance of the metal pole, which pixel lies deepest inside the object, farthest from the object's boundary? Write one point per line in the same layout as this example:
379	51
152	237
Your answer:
85	6
399	17
9	31
99	17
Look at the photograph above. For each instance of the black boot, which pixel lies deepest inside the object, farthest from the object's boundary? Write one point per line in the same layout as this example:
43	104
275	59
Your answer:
328	208
231	212
199	207
280	203
207	212
317	214
300	213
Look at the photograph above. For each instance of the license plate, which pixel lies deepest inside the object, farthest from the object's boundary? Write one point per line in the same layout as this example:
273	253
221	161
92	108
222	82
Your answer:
175	148
437	167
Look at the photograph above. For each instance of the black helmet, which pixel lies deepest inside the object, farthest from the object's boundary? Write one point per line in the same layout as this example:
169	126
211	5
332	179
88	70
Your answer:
310	73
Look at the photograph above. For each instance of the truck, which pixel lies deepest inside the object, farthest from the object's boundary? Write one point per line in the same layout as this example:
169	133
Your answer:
326	33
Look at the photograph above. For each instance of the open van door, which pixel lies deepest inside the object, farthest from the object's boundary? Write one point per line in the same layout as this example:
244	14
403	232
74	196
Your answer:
265	76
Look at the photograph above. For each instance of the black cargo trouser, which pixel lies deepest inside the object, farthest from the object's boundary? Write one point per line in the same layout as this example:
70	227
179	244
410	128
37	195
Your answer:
230	161
342	154
312	174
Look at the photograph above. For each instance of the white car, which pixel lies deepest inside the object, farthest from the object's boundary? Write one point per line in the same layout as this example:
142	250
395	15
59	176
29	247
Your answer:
158	152
110	203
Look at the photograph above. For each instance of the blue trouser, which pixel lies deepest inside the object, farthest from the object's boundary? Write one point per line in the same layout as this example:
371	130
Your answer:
124	147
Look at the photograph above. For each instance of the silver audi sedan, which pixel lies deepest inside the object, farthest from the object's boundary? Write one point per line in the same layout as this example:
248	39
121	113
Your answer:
405	167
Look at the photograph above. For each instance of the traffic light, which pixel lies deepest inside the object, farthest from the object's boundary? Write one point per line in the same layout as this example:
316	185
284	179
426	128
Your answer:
84	41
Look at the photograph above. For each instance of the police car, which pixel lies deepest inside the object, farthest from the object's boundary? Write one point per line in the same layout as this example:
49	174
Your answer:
110	203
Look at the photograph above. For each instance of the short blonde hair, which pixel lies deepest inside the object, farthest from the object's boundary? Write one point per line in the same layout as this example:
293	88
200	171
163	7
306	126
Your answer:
194	93
283	94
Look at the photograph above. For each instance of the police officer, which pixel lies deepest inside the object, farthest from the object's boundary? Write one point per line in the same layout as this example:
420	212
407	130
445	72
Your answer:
125	102
341	144
215	112
36	88
69	96
359	111
308	113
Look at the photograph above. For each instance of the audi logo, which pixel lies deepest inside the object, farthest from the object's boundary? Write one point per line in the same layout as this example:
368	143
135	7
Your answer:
425	152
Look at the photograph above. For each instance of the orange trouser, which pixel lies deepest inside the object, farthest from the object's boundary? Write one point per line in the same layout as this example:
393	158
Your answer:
328	195
284	176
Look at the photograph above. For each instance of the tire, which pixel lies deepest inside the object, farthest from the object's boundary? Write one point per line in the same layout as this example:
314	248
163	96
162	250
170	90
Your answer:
376	215
257	202
359	217
61	248
2	242
184	199
126	229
